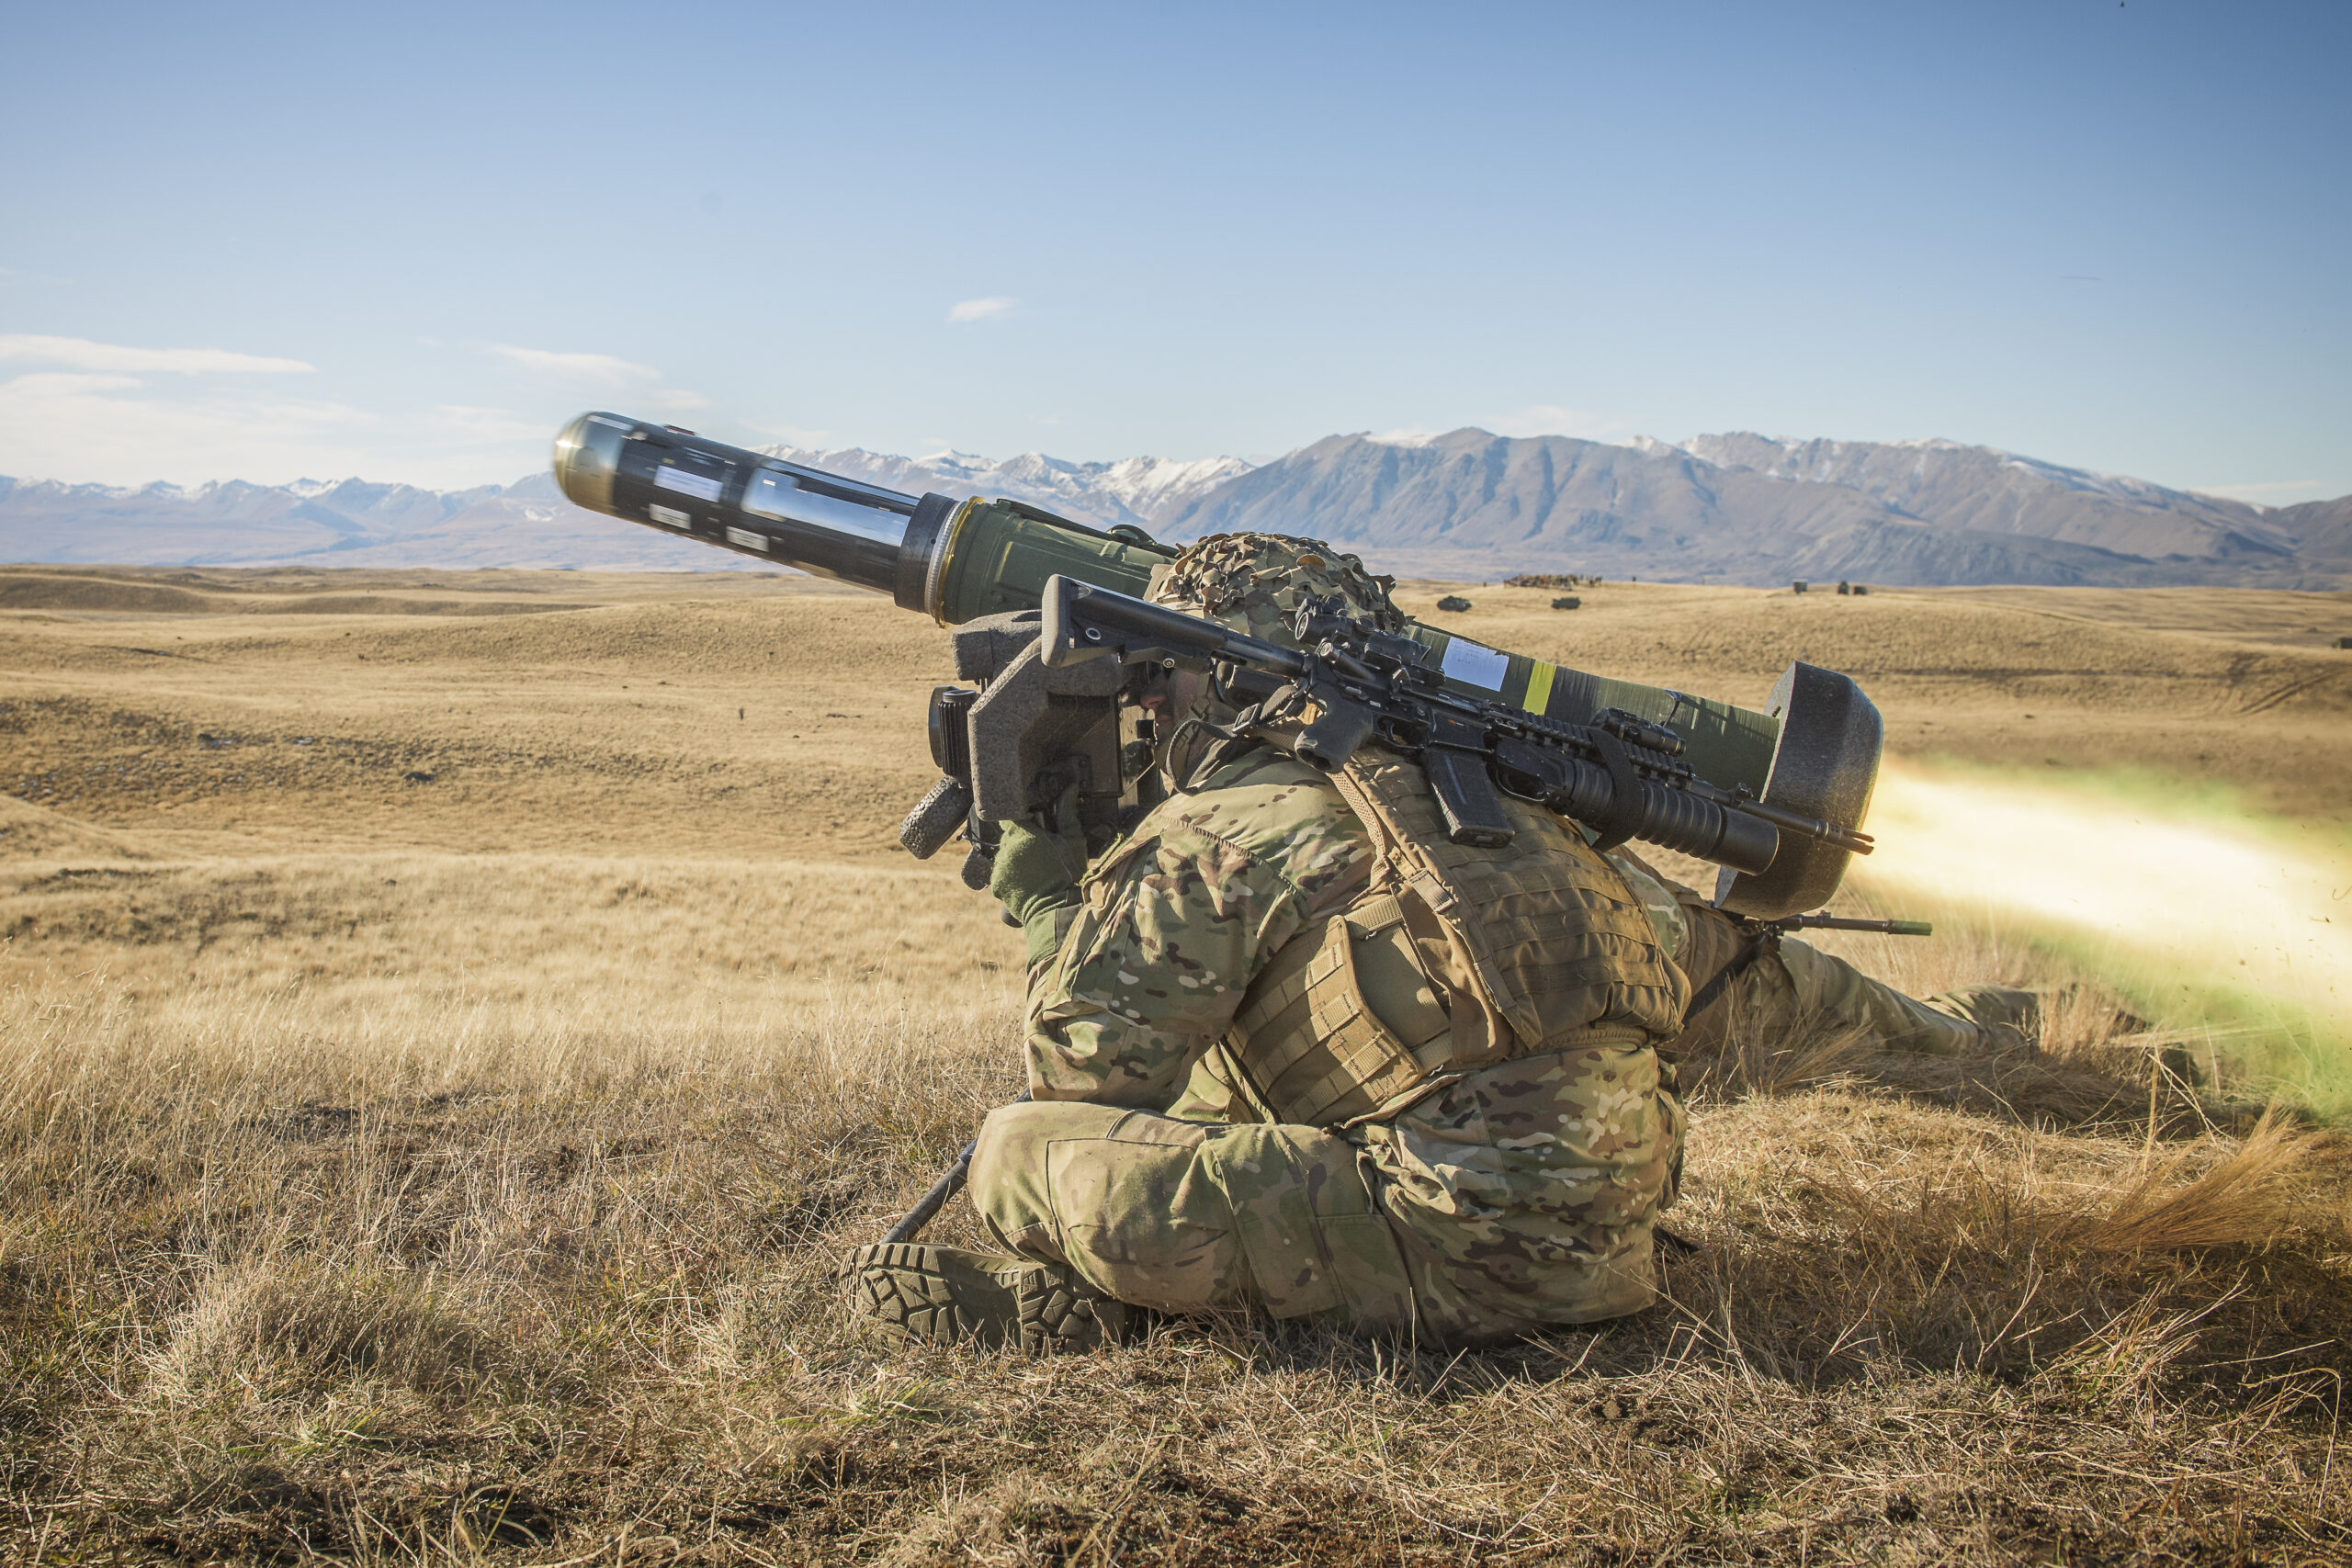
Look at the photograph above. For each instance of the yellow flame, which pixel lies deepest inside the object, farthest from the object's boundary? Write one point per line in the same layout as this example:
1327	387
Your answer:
2194	902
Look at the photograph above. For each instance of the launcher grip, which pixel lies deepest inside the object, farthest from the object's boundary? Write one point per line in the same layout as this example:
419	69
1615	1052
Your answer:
936	818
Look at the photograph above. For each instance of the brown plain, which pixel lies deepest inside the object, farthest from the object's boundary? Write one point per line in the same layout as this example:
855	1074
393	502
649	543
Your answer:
452	1023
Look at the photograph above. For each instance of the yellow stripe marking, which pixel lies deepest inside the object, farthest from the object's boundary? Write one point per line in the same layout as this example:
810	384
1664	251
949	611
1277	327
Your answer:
1539	687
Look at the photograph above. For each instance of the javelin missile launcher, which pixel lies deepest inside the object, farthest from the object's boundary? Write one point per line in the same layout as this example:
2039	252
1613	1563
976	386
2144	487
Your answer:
980	566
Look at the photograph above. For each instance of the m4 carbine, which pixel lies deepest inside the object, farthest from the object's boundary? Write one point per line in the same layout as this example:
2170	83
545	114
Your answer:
1014	742
1353	685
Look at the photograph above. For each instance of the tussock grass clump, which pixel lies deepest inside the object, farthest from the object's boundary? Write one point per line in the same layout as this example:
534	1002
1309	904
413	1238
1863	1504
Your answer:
297	1326
2247	1196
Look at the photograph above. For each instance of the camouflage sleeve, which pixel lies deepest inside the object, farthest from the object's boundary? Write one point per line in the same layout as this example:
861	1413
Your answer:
1176	922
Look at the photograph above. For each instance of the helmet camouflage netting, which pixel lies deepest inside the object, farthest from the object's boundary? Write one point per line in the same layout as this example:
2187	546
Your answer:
1251	583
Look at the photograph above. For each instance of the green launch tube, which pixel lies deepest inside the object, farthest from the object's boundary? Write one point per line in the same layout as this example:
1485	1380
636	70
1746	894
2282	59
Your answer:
957	560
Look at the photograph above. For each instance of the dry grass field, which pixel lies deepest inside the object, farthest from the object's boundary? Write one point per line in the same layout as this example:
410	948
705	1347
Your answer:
451	1025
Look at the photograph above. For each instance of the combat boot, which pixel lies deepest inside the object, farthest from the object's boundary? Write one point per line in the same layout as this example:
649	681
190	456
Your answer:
947	1294
2010	1017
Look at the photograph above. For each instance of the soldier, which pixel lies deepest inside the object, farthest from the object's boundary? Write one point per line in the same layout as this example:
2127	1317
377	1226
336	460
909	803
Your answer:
1763	985
1291	1050
1473	1130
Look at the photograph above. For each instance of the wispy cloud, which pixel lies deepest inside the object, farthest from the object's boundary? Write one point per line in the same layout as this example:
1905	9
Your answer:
601	368
81	425
67	384
979	310
81	354
72	408
605	371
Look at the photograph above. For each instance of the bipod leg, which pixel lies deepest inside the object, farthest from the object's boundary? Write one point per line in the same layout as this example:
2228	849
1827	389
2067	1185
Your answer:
951	1181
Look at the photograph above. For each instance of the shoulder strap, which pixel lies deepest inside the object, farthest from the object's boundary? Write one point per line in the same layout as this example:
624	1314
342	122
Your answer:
1390	795
1534	940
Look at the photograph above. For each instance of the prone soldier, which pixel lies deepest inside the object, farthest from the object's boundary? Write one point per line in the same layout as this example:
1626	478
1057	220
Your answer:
1750	980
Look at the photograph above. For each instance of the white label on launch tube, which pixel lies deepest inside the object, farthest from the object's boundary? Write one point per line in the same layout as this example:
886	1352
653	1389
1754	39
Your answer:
1475	664
684	483
744	538
669	516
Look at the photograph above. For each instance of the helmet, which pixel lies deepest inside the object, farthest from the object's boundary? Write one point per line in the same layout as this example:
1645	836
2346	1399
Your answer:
1252	582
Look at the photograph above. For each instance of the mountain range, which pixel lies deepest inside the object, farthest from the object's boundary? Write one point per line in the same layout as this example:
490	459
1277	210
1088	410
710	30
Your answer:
1729	508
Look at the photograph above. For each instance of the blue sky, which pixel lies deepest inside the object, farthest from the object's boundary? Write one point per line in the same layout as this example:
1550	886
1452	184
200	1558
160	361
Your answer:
259	242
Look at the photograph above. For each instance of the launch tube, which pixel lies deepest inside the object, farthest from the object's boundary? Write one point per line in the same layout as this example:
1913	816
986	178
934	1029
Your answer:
955	560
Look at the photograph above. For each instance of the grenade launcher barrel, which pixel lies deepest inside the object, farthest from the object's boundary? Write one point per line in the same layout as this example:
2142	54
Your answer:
959	560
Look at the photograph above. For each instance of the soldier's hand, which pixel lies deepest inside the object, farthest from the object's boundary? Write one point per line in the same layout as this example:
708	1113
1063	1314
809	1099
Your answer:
1037	870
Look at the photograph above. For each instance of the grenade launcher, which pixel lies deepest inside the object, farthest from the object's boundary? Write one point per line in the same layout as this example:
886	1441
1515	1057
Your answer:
1011	744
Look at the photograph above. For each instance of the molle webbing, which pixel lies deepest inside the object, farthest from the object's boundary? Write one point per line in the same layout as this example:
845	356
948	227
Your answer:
1311	1043
1533	947
1534	940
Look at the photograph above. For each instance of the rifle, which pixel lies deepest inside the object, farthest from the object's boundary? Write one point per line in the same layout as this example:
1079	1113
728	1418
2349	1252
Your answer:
1826	921
1011	743
1764	936
1356	685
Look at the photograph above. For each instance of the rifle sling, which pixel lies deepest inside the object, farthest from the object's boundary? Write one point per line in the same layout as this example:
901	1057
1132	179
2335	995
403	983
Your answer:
1625	805
1754	948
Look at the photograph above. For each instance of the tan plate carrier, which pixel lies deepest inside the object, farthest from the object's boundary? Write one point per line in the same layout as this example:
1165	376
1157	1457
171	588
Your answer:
1454	959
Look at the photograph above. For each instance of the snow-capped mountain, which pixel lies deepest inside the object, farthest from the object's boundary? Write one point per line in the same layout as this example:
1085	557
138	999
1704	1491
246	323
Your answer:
1729	508
1134	490
1742	508
42	519
353	523
1990	491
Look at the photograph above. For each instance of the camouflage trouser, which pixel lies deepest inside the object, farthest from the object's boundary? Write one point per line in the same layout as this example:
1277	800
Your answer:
1831	993
1794	991
1192	1217
1793	994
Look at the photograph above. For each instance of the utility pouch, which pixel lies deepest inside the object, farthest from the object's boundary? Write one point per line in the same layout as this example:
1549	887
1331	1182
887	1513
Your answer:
1459	956
1540	937
1316	1045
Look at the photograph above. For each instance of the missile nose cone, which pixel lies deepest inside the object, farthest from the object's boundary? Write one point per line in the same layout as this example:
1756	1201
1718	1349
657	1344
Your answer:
587	455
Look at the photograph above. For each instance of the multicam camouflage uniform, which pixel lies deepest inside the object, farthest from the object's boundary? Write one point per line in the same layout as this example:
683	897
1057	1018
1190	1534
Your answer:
1782	990
1502	1162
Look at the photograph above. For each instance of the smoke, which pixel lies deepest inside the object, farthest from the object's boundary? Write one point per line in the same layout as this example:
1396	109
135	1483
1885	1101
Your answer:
2206	914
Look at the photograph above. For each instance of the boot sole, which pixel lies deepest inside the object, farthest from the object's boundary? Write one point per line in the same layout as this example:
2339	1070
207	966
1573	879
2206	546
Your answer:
945	1296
